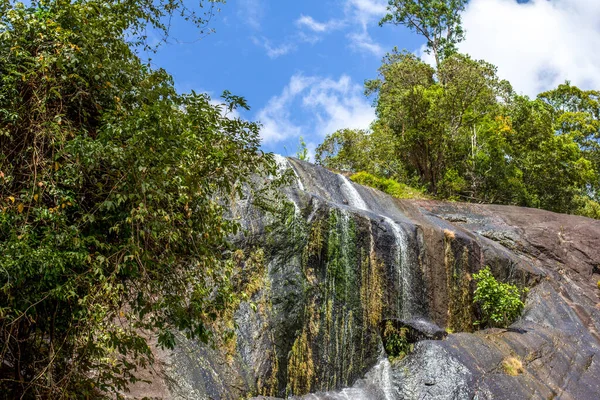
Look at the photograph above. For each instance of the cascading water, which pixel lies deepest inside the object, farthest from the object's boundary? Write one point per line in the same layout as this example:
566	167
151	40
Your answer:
406	302
352	196
284	165
407	306
376	385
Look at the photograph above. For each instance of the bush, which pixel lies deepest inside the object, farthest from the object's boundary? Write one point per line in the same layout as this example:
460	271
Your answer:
114	193
395	341
389	186
500	303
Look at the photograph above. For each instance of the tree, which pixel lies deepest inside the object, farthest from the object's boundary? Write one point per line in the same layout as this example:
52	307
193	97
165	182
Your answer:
438	21
344	150
113	192
576	113
434	124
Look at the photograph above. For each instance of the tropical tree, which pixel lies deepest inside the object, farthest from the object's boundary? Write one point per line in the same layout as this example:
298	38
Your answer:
435	125
113	192
438	21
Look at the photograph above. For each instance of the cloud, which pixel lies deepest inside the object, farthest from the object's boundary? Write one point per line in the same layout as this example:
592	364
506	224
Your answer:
362	41
357	16
320	106
366	11
251	12
362	14
274	51
320	27
539	44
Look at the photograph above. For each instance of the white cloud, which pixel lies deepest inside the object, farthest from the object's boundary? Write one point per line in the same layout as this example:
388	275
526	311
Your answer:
362	41
274	51
357	16
251	12
539	44
362	14
320	27
326	105
366	11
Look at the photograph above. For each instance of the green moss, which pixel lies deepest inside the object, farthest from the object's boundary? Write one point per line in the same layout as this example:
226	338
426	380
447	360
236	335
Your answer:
389	186
301	369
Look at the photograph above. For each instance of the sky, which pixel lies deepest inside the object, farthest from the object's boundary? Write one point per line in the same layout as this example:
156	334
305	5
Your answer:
301	65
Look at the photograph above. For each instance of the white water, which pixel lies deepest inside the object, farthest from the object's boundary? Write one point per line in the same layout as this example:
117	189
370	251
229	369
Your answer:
352	196
403	259
283	164
403	264
376	385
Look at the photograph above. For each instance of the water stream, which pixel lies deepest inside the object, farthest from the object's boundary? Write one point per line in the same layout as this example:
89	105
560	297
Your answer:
406	303
376	385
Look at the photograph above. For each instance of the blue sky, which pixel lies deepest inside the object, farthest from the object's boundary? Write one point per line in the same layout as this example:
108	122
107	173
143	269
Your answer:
302	64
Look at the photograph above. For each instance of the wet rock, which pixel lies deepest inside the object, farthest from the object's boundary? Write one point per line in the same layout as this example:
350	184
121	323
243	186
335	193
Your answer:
353	258
416	329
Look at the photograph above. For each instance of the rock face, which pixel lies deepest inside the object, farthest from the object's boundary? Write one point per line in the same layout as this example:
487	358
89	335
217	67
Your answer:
346	258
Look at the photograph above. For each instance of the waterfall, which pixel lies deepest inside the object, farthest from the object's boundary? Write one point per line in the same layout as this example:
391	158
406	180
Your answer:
284	165
352	196
406	303
376	385
407	306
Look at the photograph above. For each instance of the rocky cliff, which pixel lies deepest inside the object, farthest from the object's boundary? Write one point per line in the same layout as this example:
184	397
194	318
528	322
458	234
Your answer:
347	258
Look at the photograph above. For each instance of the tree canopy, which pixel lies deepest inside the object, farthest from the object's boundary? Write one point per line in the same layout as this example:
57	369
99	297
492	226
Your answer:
459	131
113	197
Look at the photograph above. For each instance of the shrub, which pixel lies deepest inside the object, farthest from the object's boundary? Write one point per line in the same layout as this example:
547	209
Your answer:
500	303
389	186
395	341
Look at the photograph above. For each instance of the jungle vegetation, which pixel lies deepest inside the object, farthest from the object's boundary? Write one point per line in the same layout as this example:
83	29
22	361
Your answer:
455	130
113	192
114	187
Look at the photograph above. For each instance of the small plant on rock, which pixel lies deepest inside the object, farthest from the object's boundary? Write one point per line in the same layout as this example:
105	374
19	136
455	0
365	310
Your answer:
395	341
500	303
512	366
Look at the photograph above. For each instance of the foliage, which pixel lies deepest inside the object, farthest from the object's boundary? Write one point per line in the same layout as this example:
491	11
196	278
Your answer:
302	153
113	195
344	150
462	133
389	186
433	124
500	303
396	341
438	21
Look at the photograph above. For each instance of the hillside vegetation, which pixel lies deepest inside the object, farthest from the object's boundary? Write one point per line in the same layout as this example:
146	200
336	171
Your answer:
460	132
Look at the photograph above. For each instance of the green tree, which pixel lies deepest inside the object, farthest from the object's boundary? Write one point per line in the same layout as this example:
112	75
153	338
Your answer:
434	125
576	113
344	150
438	21
113	192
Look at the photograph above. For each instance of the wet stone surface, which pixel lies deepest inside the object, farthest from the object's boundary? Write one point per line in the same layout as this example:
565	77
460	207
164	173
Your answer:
355	258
